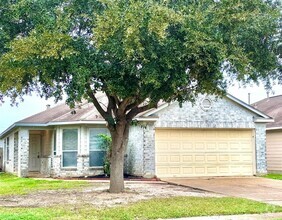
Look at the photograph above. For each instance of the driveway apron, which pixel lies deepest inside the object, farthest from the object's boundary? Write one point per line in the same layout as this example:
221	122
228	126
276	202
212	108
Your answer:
255	188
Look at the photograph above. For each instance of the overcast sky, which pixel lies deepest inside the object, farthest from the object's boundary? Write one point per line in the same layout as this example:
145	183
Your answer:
34	104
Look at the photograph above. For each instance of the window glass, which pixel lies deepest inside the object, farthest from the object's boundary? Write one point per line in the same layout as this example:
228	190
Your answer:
97	158
70	139
69	159
55	143
8	148
70	145
96	153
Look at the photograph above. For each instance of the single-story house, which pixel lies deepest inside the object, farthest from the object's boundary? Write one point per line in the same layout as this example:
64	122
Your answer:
212	137
273	106
1	158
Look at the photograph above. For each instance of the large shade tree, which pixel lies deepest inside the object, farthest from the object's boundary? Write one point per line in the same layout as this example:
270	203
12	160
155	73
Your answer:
137	52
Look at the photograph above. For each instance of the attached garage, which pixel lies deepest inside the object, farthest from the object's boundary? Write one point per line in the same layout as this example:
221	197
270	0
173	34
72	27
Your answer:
204	152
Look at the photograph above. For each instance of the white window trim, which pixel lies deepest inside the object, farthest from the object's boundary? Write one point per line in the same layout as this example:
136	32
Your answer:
88	144
62	150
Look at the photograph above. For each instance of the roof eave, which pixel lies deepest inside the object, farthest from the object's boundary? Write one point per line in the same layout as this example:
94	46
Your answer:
97	122
263	120
274	128
153	111
7	130
249	107
17	125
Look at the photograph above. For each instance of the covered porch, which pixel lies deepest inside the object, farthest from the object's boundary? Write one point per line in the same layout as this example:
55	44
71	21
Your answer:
40	154
35	150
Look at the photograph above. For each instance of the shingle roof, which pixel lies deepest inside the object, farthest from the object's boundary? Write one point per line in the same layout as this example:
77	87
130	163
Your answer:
63	113
83	113
271	106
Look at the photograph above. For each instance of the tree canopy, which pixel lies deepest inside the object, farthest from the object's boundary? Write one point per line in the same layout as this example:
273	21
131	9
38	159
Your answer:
135	51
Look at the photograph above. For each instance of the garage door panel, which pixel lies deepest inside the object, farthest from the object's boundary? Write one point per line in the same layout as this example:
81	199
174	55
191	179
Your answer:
174	146
203	153
233	146
199	146
175	159
187	146
211	146
163	145
187	170
223	146
223	158
162	159
235	158
211	158
187	158
212	170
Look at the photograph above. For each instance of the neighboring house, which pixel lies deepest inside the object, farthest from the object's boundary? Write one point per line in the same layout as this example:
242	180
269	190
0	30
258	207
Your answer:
273	107
213	137
1	157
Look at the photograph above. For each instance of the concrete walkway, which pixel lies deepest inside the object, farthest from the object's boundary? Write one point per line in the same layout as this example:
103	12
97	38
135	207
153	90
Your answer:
266	216
255	188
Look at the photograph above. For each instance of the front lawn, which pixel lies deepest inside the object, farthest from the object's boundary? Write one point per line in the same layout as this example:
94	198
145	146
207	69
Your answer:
174	207
12	185
273	176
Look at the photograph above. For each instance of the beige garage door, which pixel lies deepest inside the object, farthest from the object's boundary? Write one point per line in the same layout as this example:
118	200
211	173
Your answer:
203	152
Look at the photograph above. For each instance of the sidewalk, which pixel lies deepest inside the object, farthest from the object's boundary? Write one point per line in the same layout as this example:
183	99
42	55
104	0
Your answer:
266	216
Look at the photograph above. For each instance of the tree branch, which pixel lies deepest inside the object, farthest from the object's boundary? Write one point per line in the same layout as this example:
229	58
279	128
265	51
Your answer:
97	105
135	111
125	103
112	105
134	104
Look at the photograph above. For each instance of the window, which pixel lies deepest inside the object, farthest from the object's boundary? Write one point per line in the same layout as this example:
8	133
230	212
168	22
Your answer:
96	153
55	143
70	143
7	148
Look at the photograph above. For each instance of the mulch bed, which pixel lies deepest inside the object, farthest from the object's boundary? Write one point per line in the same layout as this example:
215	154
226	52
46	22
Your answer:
103	177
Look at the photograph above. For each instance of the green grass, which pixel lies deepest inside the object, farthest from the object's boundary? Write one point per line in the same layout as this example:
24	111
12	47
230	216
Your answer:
273	176
174	207
12	185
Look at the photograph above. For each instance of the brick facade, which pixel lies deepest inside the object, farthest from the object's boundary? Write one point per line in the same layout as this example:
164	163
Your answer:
224	113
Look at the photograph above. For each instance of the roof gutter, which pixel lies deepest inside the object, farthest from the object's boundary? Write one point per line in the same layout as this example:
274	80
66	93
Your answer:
263	120
100	122
7	130
273	128
16	125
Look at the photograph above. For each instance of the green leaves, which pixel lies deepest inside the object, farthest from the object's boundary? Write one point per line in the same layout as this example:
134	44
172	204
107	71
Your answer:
141	50
126	22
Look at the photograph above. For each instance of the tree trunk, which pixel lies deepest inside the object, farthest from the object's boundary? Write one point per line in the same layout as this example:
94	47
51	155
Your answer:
119	142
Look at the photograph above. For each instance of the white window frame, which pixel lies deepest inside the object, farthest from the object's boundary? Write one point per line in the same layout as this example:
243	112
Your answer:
55	146
7	147
95	149
78	144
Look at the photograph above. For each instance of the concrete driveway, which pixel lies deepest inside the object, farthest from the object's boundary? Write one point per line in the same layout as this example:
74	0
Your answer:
255	188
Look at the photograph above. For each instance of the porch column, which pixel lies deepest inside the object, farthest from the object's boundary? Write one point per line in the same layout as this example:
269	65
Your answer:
23	152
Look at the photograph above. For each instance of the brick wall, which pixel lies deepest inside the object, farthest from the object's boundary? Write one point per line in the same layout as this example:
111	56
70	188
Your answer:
224	113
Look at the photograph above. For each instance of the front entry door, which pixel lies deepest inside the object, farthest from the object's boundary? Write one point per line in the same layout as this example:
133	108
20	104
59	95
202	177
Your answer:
34	152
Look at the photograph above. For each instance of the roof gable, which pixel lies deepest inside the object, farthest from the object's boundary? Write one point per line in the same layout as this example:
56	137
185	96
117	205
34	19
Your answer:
242	104
271	106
